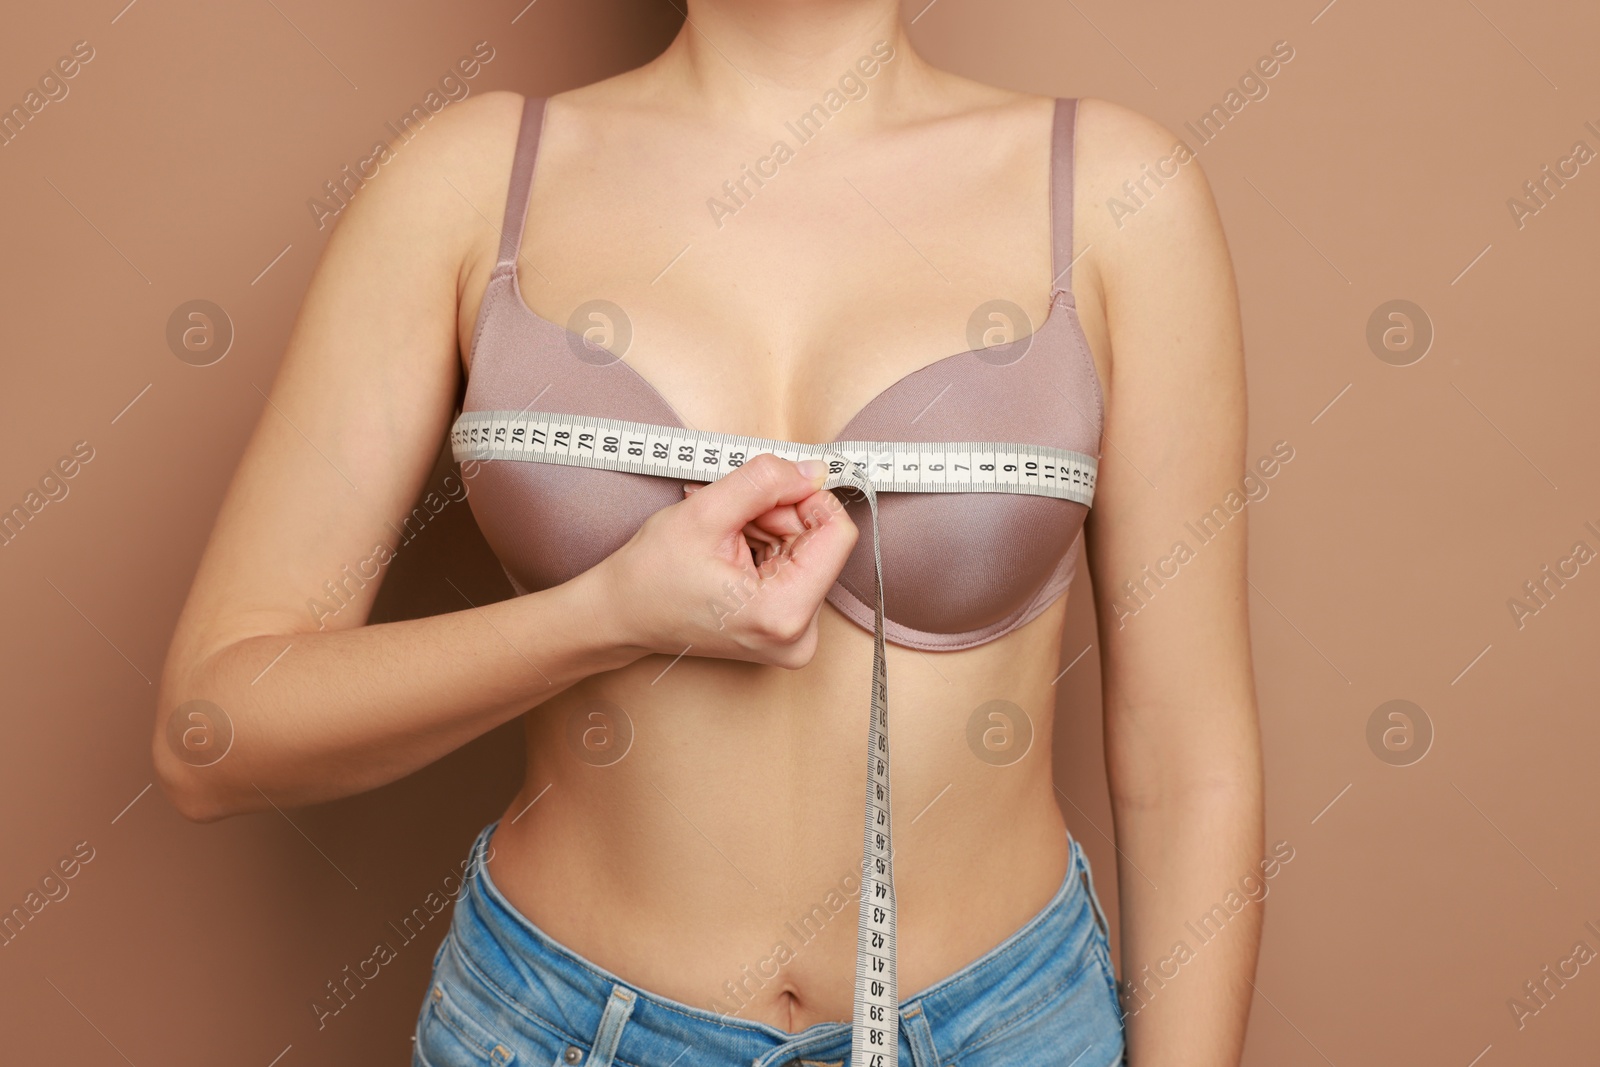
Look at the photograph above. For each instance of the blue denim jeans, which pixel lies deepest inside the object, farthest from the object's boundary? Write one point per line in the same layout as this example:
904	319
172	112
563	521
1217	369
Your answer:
505	993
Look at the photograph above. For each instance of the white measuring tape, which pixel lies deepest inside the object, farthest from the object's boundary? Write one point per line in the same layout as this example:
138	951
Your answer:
869	466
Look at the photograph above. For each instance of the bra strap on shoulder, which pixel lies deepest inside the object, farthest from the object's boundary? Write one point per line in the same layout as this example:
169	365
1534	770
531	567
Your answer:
521	181
1062	138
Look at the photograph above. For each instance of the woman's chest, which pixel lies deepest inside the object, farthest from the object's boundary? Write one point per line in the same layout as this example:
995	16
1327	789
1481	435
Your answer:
779	307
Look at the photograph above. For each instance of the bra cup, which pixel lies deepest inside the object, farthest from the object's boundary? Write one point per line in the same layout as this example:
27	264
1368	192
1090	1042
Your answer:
955	563
548	523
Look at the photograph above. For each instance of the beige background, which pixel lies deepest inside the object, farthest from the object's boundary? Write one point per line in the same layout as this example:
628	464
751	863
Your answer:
1420	898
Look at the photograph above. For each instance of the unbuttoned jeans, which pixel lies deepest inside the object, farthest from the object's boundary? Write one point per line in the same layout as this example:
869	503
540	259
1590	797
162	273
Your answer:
503	992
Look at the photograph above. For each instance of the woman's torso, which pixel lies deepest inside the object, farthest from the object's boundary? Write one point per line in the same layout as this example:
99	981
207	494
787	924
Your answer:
709	863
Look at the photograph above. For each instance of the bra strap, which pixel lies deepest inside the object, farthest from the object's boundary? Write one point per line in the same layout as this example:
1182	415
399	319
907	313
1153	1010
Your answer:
1061	146
521	181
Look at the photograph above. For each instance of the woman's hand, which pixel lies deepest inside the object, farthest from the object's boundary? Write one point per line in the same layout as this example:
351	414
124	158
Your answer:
738	570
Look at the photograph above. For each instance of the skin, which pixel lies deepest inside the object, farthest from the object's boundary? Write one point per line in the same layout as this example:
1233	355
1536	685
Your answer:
737	807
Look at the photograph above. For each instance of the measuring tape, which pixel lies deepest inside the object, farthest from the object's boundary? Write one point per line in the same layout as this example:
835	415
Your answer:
871	467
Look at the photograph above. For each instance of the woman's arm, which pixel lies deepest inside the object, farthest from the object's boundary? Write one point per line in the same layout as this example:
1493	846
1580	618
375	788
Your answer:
362	400
327	707
1182	741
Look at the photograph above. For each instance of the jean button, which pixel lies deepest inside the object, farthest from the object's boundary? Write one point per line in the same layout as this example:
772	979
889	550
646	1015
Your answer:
573	1054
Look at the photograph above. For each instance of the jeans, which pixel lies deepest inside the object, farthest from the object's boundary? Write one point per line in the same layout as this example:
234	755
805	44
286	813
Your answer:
503	993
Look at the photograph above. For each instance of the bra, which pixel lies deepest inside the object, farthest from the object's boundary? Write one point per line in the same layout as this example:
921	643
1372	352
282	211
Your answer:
959	569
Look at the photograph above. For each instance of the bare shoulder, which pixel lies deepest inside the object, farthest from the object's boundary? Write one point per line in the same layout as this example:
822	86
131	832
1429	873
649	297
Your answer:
434	183
469	144
1142	196
437	198
481	124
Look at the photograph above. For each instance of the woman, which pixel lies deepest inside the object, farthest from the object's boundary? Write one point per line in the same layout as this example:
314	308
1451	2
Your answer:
674	882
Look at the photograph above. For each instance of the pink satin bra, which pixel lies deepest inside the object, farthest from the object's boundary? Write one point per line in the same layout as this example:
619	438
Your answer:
959	569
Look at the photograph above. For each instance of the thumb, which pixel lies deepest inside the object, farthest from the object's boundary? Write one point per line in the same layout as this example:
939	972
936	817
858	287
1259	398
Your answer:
754	488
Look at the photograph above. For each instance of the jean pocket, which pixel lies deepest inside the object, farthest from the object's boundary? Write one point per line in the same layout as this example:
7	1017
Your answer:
1070	1022
452	1036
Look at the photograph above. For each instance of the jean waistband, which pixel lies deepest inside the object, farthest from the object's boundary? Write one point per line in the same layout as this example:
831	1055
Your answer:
550	985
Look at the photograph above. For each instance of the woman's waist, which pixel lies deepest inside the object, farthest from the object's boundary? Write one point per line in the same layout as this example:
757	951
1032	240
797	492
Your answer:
754	914
727	727
752	800
697	824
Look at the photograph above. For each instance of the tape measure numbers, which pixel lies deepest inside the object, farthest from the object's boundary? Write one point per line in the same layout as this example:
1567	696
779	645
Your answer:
869	466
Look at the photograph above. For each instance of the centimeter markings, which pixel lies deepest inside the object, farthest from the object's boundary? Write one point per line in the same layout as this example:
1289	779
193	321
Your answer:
875	1027
674	452
871	467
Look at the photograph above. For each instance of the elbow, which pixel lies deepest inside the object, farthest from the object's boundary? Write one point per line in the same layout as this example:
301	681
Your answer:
186	791
196	807
191	748
196	789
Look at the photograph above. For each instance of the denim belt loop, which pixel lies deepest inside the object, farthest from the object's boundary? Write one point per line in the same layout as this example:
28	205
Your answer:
914	1024
619	1006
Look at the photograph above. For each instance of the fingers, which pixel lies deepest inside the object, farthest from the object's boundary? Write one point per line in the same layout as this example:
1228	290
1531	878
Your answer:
760	485
783	521
768	534
780	535
819	508
763	545
777	526
809	563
